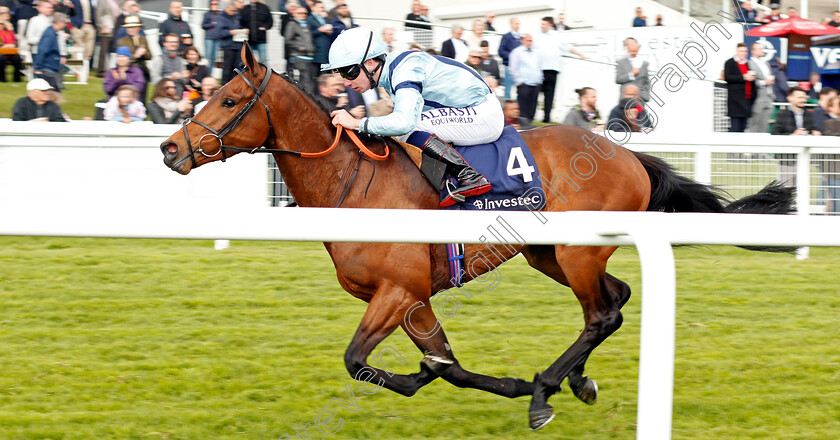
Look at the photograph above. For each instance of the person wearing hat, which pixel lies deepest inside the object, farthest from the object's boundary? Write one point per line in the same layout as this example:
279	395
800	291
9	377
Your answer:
37	105
426	90
124	73
49	61
137	45
8	41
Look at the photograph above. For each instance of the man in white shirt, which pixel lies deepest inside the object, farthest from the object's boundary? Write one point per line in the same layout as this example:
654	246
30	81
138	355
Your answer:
762	107
525	68
38	24
551	48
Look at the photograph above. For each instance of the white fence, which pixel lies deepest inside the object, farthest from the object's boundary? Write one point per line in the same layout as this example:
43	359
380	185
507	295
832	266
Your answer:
113	184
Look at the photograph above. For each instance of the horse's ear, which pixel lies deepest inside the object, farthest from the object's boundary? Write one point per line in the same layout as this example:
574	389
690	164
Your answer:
249	60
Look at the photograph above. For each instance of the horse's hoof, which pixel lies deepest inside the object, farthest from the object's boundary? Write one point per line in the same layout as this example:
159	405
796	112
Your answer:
540	417
588	393
436	363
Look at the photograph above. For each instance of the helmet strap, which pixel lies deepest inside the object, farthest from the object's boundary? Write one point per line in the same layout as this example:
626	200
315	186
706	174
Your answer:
373	82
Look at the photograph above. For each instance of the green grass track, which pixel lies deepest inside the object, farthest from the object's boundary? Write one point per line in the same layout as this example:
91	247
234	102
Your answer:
152	339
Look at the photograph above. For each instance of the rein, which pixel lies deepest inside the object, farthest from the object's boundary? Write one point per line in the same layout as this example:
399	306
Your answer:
223	149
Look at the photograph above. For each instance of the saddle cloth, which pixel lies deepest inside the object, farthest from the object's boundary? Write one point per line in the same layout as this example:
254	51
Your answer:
512	171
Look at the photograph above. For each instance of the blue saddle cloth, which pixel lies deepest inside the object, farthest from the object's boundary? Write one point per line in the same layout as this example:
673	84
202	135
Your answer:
512	171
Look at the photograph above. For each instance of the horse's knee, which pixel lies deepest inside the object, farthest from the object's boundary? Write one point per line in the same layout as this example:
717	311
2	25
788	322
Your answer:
353	362
605	324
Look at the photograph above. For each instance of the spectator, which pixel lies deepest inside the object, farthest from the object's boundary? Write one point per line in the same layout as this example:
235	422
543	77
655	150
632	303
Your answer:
38	24
509	42
475	37
625	117
139	48
793	122
210	24
231	37
488	21
474	60
488	65
775	13
821	111
641	118
201	104
124	74
165	107
746	13
835	19
762	106
84	27
129	9
195	72
37	105
831	126
561	22
321	34
256	17
585	114
331	95
550	48
527	74
388	38
780	85
8	41
455	47
48	62
342	21
659	20
106	18
124	105
740	86
814	85
510	109
792	12
633	70
301	48
416	15
640	20
175	25
169	64
209	86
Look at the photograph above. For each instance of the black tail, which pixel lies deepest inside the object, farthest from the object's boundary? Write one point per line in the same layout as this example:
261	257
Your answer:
671	192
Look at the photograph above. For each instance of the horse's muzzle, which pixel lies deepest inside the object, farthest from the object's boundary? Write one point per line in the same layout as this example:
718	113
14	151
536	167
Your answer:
170	152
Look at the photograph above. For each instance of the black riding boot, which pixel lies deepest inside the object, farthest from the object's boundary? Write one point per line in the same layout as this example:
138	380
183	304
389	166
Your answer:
471	183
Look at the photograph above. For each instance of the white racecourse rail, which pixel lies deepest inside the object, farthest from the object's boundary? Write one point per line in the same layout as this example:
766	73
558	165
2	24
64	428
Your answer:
62	180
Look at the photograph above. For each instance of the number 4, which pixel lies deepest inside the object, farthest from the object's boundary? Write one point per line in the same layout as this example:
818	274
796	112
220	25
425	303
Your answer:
517	156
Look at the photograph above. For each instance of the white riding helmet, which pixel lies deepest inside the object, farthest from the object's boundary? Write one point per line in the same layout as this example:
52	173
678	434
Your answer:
354	46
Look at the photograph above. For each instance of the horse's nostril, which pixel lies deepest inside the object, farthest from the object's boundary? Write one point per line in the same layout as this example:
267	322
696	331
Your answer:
169	149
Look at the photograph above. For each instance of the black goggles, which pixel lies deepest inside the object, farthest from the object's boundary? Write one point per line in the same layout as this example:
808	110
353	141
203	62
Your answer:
349	72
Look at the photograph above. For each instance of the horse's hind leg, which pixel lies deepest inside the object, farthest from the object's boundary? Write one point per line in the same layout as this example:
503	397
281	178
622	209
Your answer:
433	340
582	269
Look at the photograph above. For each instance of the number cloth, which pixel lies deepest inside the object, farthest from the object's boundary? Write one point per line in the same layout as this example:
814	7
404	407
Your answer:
509	166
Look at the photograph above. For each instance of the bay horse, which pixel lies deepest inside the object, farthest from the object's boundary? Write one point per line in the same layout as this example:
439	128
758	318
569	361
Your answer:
395	277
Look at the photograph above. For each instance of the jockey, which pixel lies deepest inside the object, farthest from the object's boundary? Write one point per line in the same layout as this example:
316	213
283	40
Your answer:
437	102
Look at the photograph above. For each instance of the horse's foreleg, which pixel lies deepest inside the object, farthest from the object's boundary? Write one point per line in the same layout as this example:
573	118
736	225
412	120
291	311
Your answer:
387	309
425	330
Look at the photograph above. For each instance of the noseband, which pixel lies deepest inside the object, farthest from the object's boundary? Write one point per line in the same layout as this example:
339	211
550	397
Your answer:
219	135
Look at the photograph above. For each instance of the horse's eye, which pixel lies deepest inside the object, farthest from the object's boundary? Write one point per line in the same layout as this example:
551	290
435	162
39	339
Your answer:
228	103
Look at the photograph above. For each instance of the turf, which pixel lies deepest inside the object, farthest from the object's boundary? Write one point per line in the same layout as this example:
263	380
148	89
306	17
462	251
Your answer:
144	339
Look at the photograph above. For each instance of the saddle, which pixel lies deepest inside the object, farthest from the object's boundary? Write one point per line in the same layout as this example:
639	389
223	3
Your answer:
507	163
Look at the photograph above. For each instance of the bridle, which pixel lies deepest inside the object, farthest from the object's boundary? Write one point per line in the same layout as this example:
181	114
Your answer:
219	135
262	148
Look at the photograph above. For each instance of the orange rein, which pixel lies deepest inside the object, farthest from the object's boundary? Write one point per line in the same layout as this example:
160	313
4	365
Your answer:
355	140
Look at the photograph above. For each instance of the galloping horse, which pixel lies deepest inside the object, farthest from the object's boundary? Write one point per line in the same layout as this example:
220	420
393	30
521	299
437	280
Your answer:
394	277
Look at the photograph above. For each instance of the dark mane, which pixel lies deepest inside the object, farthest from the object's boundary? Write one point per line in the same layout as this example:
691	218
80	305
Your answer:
364	136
